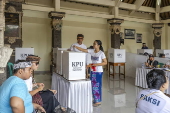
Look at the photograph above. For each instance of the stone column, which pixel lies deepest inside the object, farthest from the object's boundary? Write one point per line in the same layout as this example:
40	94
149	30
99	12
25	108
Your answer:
5	52
115	29
157	36
2	22
56	24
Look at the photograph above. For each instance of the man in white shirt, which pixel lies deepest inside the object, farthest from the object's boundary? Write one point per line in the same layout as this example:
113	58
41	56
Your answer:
79	43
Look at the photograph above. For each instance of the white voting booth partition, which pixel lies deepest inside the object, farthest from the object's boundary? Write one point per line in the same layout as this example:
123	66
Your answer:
162	51
142	51
59	61
134	61
74	65
117	55
22	53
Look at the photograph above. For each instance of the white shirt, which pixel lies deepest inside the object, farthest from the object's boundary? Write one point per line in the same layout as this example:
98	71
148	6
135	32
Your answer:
78	45
155	103
97	58
29	84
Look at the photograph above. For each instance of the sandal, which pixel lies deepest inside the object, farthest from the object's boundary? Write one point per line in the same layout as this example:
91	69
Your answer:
96	105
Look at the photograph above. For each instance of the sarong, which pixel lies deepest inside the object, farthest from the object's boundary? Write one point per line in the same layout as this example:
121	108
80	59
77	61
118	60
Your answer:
96	80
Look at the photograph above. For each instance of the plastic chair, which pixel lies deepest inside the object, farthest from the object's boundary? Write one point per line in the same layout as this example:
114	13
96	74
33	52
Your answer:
10	69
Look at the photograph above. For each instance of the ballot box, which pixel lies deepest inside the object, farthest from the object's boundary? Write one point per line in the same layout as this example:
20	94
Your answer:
163	51
74	65
59	60
117	55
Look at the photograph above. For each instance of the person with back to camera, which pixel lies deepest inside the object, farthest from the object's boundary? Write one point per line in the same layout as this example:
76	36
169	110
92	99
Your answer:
153	100
98	59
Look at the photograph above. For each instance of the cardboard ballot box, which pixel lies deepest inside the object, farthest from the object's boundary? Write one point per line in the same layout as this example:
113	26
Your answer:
117	55
22	53
142	51
74	65
162	51
59	60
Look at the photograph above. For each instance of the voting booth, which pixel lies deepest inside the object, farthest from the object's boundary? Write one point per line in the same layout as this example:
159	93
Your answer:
22	53
142	51
74	64
117	55
59	61
163	51
116	58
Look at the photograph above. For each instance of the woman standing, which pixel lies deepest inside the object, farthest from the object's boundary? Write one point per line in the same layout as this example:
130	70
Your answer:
98	60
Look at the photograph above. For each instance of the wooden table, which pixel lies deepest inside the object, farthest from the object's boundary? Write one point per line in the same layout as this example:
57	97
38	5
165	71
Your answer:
116	64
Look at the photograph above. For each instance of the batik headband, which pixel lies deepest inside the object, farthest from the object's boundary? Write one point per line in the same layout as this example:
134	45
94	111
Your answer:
22	65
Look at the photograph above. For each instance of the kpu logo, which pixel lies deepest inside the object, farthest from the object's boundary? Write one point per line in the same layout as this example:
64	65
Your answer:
119	55
24	56
167	54
77	66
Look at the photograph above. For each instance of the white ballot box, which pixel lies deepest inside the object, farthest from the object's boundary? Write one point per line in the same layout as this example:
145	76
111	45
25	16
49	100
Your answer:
74	65
142	51
22	53
59	60
117	55
162	51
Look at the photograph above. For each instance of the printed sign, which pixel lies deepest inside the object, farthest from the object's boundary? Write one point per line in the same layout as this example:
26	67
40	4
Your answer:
77	66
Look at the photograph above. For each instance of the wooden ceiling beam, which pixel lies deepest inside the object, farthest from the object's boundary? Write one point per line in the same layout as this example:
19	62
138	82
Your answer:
138	4
117	3
122	5
165	9
157	13
88	14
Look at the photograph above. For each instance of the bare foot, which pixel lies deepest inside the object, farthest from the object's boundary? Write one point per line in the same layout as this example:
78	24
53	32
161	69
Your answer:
96	104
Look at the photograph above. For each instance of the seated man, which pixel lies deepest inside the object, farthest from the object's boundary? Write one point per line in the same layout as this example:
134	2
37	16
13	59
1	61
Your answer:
14	96
151	62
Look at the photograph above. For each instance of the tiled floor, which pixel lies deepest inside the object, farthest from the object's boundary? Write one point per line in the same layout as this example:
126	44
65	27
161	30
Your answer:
118	95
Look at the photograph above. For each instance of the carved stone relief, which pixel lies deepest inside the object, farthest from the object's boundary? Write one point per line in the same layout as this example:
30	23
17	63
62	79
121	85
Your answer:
157	32
115	29
57	24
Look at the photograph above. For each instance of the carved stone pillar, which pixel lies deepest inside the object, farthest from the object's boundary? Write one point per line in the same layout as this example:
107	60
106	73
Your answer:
115	32
2	22
56	24
5	52
157	36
